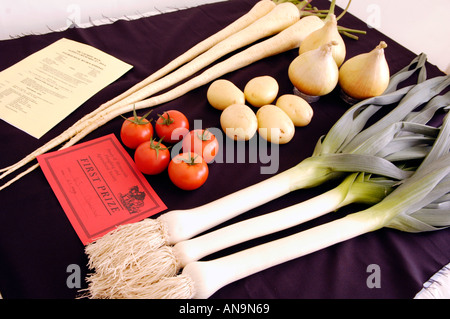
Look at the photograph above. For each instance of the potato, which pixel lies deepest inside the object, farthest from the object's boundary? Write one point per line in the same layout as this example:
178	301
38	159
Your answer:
261	90
239	122
274	124
296	108
222	93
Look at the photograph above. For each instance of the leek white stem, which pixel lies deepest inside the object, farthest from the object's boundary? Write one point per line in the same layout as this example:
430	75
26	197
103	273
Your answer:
351	190
212	275
313	171
184	224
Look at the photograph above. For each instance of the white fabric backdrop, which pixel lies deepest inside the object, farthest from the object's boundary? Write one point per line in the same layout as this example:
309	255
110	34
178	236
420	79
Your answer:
422	27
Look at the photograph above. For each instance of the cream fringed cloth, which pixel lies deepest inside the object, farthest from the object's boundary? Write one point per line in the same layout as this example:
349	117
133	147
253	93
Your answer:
438	286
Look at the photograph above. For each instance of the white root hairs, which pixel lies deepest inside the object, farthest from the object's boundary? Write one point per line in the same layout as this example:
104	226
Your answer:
108	287
179	287
121	246
136	277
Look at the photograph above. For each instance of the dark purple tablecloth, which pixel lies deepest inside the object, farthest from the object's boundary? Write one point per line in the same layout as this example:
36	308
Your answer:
37	242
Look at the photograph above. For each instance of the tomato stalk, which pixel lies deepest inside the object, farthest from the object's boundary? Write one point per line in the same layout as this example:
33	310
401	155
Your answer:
191	160
166	121
139	120
205	136
188	171
157	147
136	130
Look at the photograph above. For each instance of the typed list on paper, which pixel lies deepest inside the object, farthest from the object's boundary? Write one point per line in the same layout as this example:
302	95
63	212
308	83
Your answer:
41	90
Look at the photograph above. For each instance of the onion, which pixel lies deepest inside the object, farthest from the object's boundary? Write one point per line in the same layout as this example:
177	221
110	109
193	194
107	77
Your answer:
329	32
365	75
315	72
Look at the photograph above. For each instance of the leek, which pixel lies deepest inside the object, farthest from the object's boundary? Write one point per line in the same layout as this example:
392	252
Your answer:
138	279
393	211
420	203
394	141
329	161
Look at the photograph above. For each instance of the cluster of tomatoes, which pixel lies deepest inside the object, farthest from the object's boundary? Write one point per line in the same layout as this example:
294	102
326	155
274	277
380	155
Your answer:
188	170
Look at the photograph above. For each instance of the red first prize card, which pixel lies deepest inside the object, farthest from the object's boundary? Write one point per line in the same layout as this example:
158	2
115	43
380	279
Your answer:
99	187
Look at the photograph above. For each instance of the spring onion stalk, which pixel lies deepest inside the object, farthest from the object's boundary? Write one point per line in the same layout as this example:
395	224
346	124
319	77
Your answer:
128	241
420	203
306	9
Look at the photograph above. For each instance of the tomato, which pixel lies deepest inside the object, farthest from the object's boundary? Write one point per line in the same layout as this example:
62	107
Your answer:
202	142
152	157
172	126
136	130
188	171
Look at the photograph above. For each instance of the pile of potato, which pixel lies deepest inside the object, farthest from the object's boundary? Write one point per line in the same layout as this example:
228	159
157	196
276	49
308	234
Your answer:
274	122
